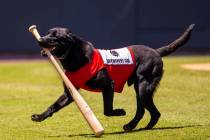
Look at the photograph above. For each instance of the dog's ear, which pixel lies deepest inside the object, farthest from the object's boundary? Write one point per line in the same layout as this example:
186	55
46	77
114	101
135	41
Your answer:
69	35
85	46
77	41
88	49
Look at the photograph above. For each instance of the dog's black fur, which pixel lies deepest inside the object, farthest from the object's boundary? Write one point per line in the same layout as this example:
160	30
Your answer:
74	53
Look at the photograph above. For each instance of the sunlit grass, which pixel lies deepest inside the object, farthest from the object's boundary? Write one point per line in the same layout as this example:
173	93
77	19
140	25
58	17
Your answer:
183	99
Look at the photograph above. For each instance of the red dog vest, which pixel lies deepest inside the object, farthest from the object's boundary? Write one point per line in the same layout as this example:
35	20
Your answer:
119	68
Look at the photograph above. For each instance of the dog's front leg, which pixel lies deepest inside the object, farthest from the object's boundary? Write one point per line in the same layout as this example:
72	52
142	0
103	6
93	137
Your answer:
61	102
108	97
102	81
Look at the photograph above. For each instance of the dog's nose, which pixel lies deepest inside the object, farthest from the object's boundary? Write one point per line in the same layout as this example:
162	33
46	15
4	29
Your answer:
44	39
42	42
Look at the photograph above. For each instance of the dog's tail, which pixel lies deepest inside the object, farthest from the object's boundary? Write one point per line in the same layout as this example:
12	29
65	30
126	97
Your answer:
166	50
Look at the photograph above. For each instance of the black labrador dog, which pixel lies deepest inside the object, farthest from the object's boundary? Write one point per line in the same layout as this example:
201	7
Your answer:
74	53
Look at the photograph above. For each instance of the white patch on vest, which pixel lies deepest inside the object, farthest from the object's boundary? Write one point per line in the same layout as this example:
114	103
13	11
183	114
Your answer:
116	56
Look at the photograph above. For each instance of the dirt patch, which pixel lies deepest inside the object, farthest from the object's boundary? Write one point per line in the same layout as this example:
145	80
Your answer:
200	67
13	61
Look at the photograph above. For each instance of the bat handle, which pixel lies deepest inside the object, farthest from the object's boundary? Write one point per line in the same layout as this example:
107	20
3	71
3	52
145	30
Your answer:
36	34
34	31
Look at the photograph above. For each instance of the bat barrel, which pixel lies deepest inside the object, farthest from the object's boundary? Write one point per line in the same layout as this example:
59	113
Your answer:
99	133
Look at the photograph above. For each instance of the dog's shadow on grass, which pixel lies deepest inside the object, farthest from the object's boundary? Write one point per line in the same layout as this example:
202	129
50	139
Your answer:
126	132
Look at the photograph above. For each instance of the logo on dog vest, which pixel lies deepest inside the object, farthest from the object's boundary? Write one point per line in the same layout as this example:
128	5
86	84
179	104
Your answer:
116	56
114	53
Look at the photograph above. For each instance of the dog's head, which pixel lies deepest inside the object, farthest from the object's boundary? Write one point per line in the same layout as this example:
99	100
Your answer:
66	46
59	41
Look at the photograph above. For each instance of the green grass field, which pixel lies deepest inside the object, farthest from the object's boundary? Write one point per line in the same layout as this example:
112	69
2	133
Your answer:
183	99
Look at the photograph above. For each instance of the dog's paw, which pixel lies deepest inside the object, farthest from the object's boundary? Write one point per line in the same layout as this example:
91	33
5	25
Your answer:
116	112
129	127
37	118
119	112
153	121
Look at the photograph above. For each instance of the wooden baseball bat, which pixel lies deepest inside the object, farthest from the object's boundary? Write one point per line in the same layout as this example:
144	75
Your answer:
84	108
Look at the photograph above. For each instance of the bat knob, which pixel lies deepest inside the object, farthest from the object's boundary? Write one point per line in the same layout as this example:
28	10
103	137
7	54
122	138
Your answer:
34	31
31	28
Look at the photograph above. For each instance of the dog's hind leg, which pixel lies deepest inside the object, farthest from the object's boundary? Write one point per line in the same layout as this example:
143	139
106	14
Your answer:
149	104
145	87
154	113
140	89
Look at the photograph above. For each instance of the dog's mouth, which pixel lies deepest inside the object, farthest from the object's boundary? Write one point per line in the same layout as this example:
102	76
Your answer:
59	52
51	49
48	43
55	46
